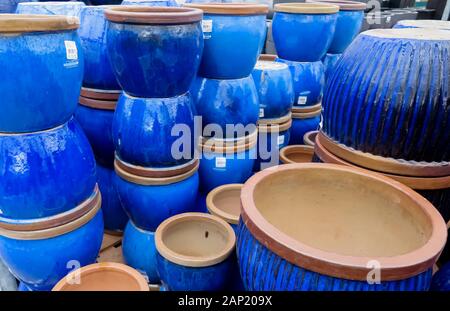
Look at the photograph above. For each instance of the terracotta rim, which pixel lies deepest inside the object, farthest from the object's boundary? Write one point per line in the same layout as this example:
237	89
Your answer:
306	115
230	8
268	57
306	8
343	5
269	128
213	145
55	231
18	23
342	266
104	266
149	181
214	210
301	109
285	152
416	183
100	94
155	172
191	261
308	138
385	165
53	221
280	120
97	104
229	142
153	15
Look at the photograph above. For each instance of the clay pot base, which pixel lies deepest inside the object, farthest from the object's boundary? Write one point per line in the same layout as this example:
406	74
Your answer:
225	202
296	154
112	95
97	103
20	23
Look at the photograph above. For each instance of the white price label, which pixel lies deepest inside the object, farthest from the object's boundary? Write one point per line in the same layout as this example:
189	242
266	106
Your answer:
207	25
261	112
280	140
302	100
221	162
71	50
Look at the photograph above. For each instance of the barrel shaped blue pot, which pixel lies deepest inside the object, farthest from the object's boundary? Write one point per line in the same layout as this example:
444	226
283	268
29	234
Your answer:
329	62
150	2
139	251
98	72
372	105
302	125
273	82
9	6
441	279
143	130
71	8
45	173
348	25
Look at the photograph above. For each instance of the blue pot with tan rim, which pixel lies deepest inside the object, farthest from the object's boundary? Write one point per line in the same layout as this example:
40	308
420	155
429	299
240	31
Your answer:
47	49
421	23
195	252
69	8
286	239
40	258
303	121
303	32
150	2
329	62
154	51
234	36
397	114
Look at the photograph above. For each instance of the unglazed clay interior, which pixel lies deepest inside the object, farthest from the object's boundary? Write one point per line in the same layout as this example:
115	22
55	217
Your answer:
342	212
299	155
229	201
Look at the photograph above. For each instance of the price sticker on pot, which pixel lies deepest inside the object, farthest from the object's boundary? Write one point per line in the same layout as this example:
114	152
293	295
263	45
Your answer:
221	162
280	140
71	50
207	26
302	100
261	112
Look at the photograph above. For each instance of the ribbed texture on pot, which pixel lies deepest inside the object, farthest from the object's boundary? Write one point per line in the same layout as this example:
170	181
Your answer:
263	270
389	97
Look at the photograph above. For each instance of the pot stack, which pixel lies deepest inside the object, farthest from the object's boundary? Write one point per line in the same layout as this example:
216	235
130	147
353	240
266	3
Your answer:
51	220
155	53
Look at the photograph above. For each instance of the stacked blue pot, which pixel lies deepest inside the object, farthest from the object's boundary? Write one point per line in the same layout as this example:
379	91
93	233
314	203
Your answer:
50	220
304	119
154	53
71	8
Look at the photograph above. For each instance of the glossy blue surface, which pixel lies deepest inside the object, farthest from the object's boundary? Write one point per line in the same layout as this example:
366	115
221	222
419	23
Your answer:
155	60
150	2
114	216
329	61
142	130
225	102
274	84
23	288
348	25
139	251
200	202
9	6
45	173
71	8
98	73
46	96
263	270
300	127
373	105
308	80
441	280
233	45
266	141
148	206
303	37
41	263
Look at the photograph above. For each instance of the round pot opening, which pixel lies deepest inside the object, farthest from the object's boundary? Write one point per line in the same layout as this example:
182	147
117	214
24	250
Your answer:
306	8
225	202
296	154
310	138
18	23
153	15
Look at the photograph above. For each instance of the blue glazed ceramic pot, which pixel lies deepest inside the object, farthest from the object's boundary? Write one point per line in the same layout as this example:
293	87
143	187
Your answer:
139	251
273	82
98	72
47	49
441	280
70	8
226	102
144	130
9	6
45	173
194	252
150	2
281	247
148	201
385	110
420	23
303	32
234	37
155	53
41	258
303	122
329	62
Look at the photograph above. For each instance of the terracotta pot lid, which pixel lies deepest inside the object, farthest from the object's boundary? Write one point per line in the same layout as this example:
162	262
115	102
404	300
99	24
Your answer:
306	115
218	145
300	109
56	220
153	15
100	94
270	128
343	4
225	202
418	255
280	120
268	57
103	276
19	23
385	165
296	154
195	239
310	138
424	23
230	8
306	8
409	33
97	103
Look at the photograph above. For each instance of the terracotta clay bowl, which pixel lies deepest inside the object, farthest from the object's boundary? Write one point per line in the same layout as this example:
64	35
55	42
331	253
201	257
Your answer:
310	138
296	154
225	202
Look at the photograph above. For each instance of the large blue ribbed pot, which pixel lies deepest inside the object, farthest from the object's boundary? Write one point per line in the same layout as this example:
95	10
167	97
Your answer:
283	245
420	23
303	32
382	109
42	69
145	130
70	8
98	72
303	123
45	173
234	37
41	258
150	2
441	279
329	62
157	53
9	6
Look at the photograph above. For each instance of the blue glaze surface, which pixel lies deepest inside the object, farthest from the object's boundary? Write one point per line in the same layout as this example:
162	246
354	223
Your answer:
139	251
441	280
371	104
98	73
263	270
23	288
265	143
348	25
329	61
9	6
71	8
200	202
41	263
45	173
155	60
233	45
303	37
308	80
150	2
300	127
142	130
28	105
